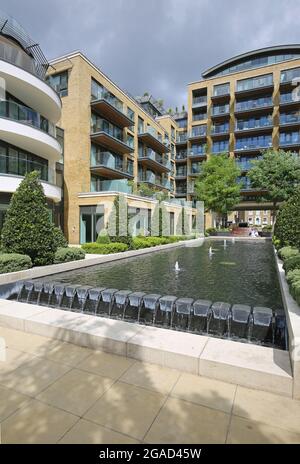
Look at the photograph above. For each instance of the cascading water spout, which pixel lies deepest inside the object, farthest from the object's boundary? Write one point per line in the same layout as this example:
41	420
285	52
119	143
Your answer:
38	288
182	314
149	309
59	290
164	313
29	288
177	268
201	315
94	298
120	304
82	293
220	324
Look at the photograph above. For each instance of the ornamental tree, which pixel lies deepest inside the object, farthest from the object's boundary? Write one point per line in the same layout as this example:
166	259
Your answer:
28	228
217	185
277	174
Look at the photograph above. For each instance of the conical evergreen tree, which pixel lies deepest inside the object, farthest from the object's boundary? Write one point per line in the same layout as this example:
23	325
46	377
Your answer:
28	228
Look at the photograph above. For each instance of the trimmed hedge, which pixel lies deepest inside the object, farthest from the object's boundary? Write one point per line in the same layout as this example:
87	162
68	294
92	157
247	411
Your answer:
292	263
295	290
147	242
64	255
104	249
287	252
12	262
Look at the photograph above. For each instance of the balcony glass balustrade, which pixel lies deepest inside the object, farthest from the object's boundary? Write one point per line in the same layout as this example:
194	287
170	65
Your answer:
110	161
290	97
181	172
198	131
245	183
245	164
290	118
102	125
197	150
289	138
25	115
200	101
195	169
253	143
289	74
181	155
99	92
220	128
199	116
115	185
221	89
254	123
254	83
220	147
218	110
181	137
254	103
152	155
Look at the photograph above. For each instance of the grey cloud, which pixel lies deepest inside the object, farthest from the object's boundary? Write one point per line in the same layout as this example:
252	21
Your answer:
157	46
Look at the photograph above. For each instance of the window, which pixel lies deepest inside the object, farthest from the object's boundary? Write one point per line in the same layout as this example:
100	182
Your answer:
220	146
290	74
130	141
16	161
59	82
140	125
131	115
173	132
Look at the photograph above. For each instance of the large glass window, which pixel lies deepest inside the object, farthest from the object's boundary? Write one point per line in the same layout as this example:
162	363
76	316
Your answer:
198	130
102	125
15	161
140	125
291	117
220	128
289	138
220	109
59	82
99	92
198	149
254	82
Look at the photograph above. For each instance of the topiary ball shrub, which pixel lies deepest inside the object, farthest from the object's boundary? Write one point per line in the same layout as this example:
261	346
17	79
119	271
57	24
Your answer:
292	263
59	238
287	252
103	237
64	255
28	228
287	227
12	262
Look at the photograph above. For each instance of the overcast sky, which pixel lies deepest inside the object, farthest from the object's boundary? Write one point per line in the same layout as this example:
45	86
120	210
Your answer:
158	46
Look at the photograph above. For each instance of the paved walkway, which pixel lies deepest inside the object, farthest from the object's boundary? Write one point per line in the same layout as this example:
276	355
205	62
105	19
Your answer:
54	392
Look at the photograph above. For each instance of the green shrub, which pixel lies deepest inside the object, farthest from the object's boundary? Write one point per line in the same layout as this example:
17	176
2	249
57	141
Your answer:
104	248
295	290
287	227
287	252
276	242
28	228
127	240
103	237
12	262
59	238
292	276
211	230
292	263
64	255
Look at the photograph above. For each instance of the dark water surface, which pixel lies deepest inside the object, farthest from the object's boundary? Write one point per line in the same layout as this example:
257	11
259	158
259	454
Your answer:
242	272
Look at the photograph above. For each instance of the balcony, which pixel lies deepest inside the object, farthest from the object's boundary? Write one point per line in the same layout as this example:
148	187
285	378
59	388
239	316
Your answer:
181	173
245	166
199	102
150	138
194	170
220	112
254	126
253	145
196	153
289	100
198	132
157	181
108	138
106	164
181	156
111	109
289	140
254	107
154	160
255	86
289	120
289	78
180	191
120	185
221	93
219	131
181	139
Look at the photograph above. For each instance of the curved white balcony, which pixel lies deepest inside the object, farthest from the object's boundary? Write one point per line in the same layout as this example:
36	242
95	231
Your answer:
10	183
31	90
30	139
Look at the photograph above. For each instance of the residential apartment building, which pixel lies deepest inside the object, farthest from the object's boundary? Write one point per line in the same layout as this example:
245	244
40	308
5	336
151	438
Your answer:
29	111
241	106
113	143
